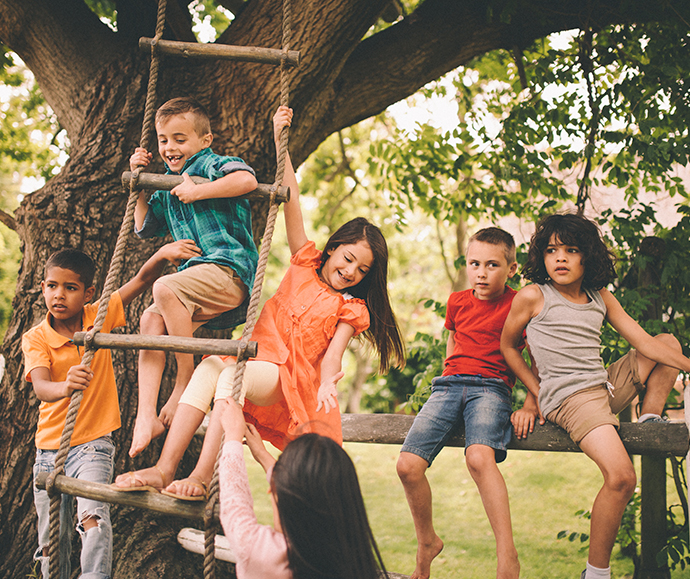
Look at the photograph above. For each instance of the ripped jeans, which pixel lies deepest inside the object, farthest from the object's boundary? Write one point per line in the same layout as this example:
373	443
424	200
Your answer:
91	461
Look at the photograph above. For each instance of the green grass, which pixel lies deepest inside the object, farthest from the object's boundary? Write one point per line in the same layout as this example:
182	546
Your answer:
546	489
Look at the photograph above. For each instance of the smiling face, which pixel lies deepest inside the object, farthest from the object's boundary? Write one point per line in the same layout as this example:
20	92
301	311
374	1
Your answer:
178	140
347	265
65	295
564	263
488	269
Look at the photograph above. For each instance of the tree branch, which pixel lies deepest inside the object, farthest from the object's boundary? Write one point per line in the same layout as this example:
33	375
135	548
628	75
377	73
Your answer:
7	220
65	45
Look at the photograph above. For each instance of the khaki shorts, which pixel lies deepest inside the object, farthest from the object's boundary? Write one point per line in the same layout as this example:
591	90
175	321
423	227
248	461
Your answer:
588	409
206	290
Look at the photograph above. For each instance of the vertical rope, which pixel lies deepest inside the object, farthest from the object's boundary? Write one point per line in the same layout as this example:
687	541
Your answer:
238	389
111	284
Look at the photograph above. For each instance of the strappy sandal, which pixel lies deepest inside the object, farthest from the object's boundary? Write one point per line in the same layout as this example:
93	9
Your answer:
137	483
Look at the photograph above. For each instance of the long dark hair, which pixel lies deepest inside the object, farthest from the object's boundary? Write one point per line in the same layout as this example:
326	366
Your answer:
383	331
576	230
322	512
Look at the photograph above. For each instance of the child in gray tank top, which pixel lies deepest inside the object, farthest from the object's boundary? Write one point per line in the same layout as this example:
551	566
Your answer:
562	313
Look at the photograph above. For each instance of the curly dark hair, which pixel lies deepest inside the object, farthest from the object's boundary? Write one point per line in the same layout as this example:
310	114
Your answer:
576	230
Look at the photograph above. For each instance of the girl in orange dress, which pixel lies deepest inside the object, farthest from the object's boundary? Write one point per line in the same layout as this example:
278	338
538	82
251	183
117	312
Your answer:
326	298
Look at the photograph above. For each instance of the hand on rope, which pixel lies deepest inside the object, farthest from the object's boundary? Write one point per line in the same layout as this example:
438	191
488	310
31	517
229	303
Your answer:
281	119
140	158
327	396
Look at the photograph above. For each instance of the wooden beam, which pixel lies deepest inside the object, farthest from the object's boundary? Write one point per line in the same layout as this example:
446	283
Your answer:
645	439
167	344
141	499
222	51
157	181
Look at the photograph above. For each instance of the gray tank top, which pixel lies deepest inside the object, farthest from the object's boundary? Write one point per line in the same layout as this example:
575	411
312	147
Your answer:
565	341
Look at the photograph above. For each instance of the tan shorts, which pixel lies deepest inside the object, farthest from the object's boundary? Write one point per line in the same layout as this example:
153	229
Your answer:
206	290
592	407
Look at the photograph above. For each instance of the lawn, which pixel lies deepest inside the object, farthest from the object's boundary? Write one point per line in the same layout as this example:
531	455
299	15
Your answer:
546	489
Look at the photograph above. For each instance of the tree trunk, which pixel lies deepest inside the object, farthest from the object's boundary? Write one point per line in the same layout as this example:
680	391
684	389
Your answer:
94	79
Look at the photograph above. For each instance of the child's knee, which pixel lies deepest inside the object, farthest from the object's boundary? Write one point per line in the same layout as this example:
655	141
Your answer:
479	459
623	481
93	518
411	467
151	324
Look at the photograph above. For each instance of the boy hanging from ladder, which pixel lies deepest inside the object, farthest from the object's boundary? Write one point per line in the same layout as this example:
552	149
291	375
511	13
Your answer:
208	284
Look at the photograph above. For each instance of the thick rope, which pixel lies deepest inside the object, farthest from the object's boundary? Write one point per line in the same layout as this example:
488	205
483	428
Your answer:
239	389
111	284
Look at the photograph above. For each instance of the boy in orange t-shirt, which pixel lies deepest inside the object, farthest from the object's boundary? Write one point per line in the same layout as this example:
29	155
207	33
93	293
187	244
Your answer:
53	364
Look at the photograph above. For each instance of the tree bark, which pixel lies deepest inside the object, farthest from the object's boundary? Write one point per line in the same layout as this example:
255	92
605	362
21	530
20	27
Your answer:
94	78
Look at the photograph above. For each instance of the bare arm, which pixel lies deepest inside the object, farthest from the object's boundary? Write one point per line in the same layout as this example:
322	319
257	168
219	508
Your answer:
450	345
638	338
523	420
331	367
152	269
78	378
526	304
234	184
294	224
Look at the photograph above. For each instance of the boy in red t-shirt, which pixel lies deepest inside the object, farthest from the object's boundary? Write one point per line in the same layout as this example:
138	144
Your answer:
475	389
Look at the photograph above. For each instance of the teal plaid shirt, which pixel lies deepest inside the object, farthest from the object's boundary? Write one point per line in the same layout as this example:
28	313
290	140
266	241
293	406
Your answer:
222	228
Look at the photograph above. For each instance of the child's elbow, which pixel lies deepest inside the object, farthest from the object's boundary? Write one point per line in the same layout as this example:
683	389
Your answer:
248	182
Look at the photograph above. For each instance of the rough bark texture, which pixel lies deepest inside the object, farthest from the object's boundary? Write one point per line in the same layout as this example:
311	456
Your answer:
94	79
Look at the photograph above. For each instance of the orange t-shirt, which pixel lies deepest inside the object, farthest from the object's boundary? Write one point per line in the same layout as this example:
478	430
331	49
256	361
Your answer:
294	331
99	412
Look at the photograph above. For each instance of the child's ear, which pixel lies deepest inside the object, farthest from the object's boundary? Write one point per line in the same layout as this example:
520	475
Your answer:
207	139
512	269
88	294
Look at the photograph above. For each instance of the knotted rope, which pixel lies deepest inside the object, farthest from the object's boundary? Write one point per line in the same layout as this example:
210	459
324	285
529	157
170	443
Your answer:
239	388
111	284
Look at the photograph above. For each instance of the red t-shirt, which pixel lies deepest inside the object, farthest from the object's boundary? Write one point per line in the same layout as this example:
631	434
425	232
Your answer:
477	325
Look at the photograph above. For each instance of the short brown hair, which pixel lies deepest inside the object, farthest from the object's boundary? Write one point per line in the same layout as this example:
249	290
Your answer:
182	105
496	236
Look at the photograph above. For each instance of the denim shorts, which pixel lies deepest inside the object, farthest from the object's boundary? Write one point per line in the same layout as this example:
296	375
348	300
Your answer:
482	404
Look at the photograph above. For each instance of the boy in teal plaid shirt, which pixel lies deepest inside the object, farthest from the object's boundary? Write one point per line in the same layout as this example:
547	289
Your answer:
219	228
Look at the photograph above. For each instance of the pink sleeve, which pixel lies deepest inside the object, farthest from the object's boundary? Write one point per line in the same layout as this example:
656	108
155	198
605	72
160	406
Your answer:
260	551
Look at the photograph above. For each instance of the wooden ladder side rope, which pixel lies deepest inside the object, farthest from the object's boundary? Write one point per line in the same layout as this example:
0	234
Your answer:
239	388
109	287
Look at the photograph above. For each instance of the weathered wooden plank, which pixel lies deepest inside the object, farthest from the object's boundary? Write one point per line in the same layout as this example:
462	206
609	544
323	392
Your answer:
222	51
141	499
156	181
646	439
168	344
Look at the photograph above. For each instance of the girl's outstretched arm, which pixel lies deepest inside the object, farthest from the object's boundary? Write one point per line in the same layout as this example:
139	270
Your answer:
638	338
294	224
331	367
526	304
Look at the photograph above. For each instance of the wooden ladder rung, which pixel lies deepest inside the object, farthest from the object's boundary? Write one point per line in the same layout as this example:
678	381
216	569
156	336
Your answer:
222	51
157	181
149	500
168	344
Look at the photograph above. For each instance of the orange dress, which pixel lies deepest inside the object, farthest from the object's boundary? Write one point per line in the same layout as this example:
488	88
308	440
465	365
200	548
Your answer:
293	331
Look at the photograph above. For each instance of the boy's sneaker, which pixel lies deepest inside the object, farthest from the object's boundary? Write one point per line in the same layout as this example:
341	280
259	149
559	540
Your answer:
653	419
583	574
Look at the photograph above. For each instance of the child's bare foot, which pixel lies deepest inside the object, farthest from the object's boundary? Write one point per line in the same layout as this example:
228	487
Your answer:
168	411
425	555
145	430
190	488
146	478
508	566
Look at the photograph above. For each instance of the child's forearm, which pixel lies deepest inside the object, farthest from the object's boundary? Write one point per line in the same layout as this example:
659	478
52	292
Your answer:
235	184
140	211
517	364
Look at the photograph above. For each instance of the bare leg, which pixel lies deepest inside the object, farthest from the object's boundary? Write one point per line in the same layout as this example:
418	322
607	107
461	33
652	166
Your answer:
604	447
262	388
151	365
187	420
178	322
481	462
412	472
659	378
